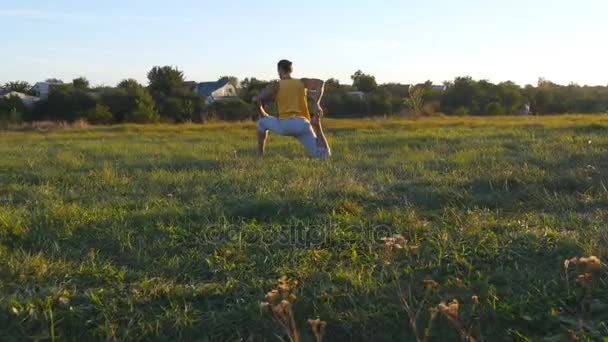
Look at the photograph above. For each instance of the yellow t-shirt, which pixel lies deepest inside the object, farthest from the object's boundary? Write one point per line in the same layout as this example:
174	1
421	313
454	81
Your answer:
291	99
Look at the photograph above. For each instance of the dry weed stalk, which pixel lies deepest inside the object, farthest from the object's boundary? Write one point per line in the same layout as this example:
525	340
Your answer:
391	244
451	312
279	302
318	328
413	315
584	271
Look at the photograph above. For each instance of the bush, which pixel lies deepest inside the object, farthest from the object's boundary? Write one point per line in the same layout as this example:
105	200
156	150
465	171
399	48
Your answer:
183	108
130	103
430	108
494	108
461	111
99	115
232	110
379	103
142	115
12	110
341	105
64	104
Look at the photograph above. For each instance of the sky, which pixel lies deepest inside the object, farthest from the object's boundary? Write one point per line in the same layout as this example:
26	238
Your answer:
395	40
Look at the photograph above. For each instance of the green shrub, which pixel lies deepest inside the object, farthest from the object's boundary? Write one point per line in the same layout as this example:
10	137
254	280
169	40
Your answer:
99	115
130	102
12	109
232	110
461	111
494	108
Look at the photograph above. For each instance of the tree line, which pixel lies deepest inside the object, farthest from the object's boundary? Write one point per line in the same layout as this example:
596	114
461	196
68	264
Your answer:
169	98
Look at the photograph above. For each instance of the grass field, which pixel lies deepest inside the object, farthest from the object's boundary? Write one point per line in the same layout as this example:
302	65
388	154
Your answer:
177	232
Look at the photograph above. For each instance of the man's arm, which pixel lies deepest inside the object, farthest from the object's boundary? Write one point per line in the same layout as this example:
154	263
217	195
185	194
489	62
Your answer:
318	86
268	93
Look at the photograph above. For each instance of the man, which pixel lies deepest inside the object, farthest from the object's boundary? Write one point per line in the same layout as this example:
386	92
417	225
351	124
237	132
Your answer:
294	117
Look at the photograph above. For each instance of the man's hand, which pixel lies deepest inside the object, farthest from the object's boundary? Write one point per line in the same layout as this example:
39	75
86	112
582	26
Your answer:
261	110
318	110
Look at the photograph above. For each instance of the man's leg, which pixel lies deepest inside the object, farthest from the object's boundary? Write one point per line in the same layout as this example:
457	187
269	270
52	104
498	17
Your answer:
262	136
321	140
301	129
265	124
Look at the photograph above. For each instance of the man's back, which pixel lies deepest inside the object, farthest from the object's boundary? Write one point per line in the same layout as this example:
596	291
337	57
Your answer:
291	99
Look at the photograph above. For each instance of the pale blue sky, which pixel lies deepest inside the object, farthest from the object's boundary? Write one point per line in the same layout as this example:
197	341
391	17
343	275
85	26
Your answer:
395	40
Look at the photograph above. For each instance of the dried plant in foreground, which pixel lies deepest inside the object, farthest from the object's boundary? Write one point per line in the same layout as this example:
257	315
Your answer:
279	302
451	311
391	244
413	314
585	269
318	328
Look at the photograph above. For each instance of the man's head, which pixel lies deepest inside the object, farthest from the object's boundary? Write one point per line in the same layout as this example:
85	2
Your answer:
284	68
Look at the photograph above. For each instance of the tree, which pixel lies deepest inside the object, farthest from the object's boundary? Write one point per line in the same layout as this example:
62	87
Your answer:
363	82
415	100
99	114
462	93
183	108
128	83
232	110
173	99
18	86
379	103
165	82
80	83
494	108
53	80
511	97
12	109
142	110
130	102
332	84
230	79
64	103
251	87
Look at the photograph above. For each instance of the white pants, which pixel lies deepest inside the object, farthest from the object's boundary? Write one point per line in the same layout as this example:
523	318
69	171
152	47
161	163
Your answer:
298	128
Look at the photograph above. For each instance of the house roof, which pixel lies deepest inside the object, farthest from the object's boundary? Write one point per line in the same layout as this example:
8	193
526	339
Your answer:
190	84
49	83
19	95
206	88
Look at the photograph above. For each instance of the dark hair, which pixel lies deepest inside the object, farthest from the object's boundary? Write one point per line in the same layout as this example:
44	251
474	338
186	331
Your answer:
285	66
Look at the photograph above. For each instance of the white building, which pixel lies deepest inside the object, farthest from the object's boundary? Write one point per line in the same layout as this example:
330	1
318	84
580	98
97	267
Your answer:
215	91
27	100
43	89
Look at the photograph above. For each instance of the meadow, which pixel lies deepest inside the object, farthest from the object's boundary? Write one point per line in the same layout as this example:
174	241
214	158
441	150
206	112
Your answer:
177	232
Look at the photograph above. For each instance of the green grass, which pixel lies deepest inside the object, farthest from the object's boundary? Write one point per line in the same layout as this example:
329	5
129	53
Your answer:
177	232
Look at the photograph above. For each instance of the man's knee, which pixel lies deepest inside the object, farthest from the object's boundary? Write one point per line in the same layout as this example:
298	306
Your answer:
322	152
261	126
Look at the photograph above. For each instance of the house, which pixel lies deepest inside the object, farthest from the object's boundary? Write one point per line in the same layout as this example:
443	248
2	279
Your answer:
524	110
440	88
43	89
358	94
215	91
27	100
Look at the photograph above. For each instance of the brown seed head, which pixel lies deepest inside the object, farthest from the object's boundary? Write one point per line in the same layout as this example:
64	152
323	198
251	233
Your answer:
430	283
272	296
591	264
585	279
453	308
317	326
